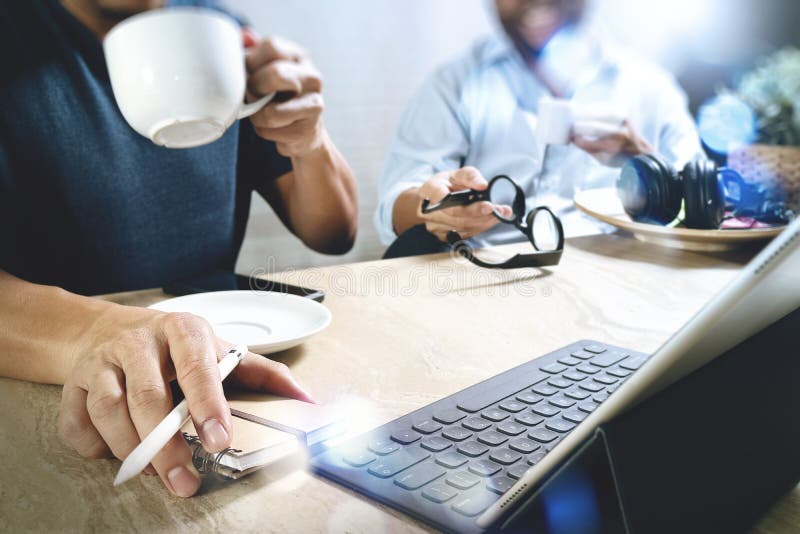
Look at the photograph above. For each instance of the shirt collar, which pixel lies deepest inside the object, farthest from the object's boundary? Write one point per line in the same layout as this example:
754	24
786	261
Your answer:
500	47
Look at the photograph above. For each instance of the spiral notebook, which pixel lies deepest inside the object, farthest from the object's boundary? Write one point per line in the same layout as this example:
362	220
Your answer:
266	430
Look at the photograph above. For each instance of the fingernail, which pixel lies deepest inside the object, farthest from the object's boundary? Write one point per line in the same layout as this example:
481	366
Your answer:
486	209
213	435
305	393
184	482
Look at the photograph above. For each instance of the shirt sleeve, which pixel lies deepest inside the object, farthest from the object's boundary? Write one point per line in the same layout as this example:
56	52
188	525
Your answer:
432	137
678	141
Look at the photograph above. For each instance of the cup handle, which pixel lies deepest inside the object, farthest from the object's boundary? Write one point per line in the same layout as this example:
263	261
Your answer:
248	109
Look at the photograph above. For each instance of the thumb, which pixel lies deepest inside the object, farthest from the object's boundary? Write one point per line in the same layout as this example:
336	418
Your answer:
249	37
468	178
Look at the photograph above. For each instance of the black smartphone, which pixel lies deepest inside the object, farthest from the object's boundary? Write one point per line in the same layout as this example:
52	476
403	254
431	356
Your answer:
228	281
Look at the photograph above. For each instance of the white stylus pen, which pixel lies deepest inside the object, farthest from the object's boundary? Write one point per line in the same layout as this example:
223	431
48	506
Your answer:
144	453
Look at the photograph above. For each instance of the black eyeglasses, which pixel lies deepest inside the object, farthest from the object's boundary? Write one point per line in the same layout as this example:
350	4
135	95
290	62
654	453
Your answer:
541	226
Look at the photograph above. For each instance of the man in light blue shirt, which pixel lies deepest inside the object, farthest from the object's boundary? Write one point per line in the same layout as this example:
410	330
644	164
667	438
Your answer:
475	118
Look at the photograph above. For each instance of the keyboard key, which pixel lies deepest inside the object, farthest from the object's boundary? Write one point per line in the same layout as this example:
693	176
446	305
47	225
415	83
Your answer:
594	349
619	373
405	436
576	416
632	364
456	433
560	383
544	389
574	375
512	406
383	446
418	476
483	395
577	394
427	427
494	414
608	359
359	459
505	456
484	467
510	428
536	457
451	459
553	368
525	446
587	407
435	443
462	480
582	354
605	379
600	397
389	466
559	425
472	448
570	360
476	423
473	504
439	493
528	418
612	389
517	471
449	416
545	410
592	386
562	402
492	438
529	398
542	435
500	484
588	369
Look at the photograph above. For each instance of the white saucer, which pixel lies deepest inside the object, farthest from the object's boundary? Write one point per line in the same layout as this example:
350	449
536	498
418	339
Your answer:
265	321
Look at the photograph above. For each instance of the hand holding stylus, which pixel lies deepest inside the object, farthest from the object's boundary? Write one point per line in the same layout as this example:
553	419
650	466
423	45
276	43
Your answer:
118	391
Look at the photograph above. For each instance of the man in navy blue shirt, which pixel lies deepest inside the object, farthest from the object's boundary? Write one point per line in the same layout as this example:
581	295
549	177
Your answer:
88	206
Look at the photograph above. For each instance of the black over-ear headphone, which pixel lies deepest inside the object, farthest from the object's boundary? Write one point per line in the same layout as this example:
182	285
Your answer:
651	191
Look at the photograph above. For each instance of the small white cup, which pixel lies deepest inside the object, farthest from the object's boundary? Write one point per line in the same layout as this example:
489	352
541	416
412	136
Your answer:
559	119
554	121
178	75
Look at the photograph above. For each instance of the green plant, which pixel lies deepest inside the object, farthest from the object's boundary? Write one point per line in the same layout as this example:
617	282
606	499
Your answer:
772	90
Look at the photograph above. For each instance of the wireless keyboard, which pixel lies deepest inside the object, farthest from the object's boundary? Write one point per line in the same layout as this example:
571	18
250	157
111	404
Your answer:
447	462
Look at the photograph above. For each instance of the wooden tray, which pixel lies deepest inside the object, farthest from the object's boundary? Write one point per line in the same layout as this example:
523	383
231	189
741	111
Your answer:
605	205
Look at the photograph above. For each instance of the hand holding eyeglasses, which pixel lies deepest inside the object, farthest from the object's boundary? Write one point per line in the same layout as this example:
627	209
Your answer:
468	220
541	226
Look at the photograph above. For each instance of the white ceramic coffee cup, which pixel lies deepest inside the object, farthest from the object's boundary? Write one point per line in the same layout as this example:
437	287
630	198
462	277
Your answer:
554	121
559	119
178	75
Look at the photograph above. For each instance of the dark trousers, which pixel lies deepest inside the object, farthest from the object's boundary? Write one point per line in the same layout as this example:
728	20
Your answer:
414	242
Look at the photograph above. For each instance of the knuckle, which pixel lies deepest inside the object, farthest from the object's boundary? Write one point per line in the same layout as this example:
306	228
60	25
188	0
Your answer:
96	450
196	371
265	133
468	172
135	340
105	404
186	324
269	119
146	394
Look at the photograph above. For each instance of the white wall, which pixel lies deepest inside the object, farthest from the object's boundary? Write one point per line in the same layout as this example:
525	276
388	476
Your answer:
373	54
